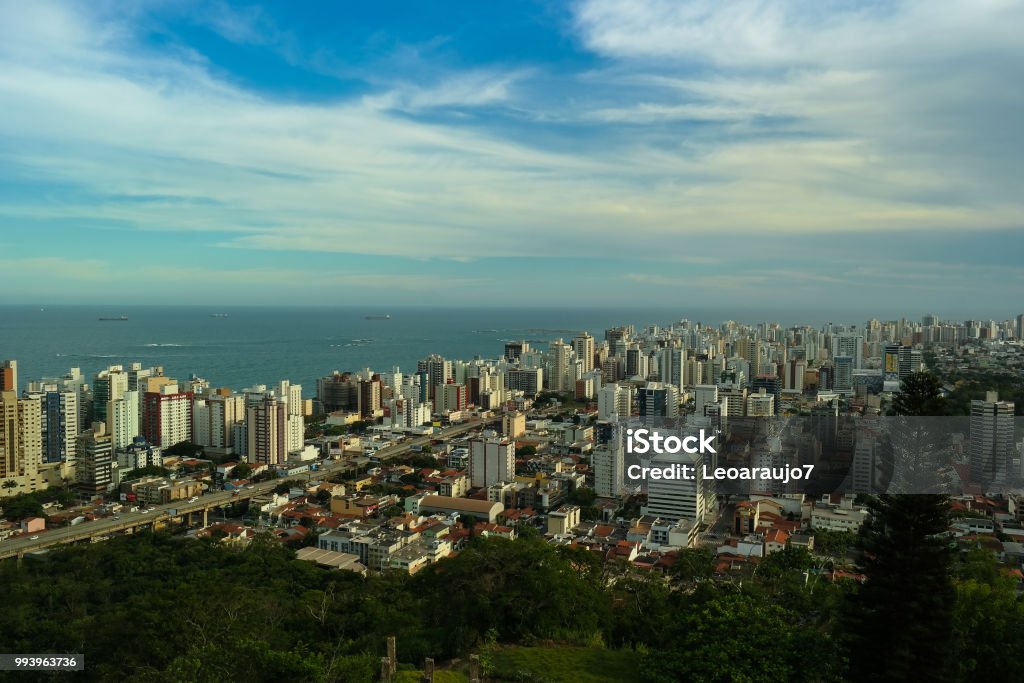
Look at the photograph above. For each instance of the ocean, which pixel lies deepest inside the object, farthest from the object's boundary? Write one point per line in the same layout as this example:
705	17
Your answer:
244	346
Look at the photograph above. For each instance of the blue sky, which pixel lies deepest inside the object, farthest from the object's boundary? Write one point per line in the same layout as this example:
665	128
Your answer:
713	153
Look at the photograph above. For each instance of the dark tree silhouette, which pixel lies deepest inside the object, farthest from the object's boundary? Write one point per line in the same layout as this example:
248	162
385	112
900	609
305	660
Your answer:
920	395
901	619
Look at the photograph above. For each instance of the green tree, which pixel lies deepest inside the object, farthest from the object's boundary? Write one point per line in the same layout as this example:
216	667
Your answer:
901	619
740	638
920	395
241	471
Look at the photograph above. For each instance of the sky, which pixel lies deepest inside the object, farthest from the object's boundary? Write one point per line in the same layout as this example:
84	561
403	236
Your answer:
805	153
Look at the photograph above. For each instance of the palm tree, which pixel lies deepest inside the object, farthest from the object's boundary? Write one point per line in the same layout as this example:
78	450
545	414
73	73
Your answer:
10	484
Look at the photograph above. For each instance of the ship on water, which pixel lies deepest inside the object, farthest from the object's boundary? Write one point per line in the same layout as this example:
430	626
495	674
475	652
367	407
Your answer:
120	317
379	317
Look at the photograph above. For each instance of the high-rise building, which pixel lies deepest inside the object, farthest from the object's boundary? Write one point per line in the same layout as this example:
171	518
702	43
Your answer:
62	415
991	443
370	399
609	465
843	381
94	469
1019	326
108	385
558	366
583	346
267	431
122	418
749	349
21	444
437	370
291	395
492	459
794	375
614	401
704	395
760	404
450	397
658	400
672	367
214	419
674	499
529	381
735	399
167	415
772	385
9	376
338	391
848	344
515	350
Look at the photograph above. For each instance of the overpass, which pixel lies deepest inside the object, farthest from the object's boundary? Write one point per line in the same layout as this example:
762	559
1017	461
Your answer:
180	509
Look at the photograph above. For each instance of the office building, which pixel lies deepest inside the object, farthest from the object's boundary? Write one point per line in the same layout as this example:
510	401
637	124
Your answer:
108	385
530	381
658	400
338	391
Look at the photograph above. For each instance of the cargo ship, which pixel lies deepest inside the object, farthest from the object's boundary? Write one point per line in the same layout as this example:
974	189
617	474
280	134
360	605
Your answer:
378	317
120	317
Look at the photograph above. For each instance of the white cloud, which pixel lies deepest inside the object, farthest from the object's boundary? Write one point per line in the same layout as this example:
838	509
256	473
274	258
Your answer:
884	122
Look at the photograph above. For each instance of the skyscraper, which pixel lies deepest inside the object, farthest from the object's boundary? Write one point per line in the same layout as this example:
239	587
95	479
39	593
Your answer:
62	415
558	366
437	369
991	444
609	465
749	349
849	344
108	385
583	346
267	431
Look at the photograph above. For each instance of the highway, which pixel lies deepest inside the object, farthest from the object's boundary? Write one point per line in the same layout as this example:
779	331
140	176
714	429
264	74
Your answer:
19	545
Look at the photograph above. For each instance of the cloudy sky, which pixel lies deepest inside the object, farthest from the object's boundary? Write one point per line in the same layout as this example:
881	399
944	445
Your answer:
807	153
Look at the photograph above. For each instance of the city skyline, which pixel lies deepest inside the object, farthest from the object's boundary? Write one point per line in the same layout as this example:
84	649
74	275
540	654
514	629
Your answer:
617	153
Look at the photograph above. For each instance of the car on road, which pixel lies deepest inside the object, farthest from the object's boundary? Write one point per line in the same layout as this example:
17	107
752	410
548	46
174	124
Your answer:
193	499
33	538
117	516
146	511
